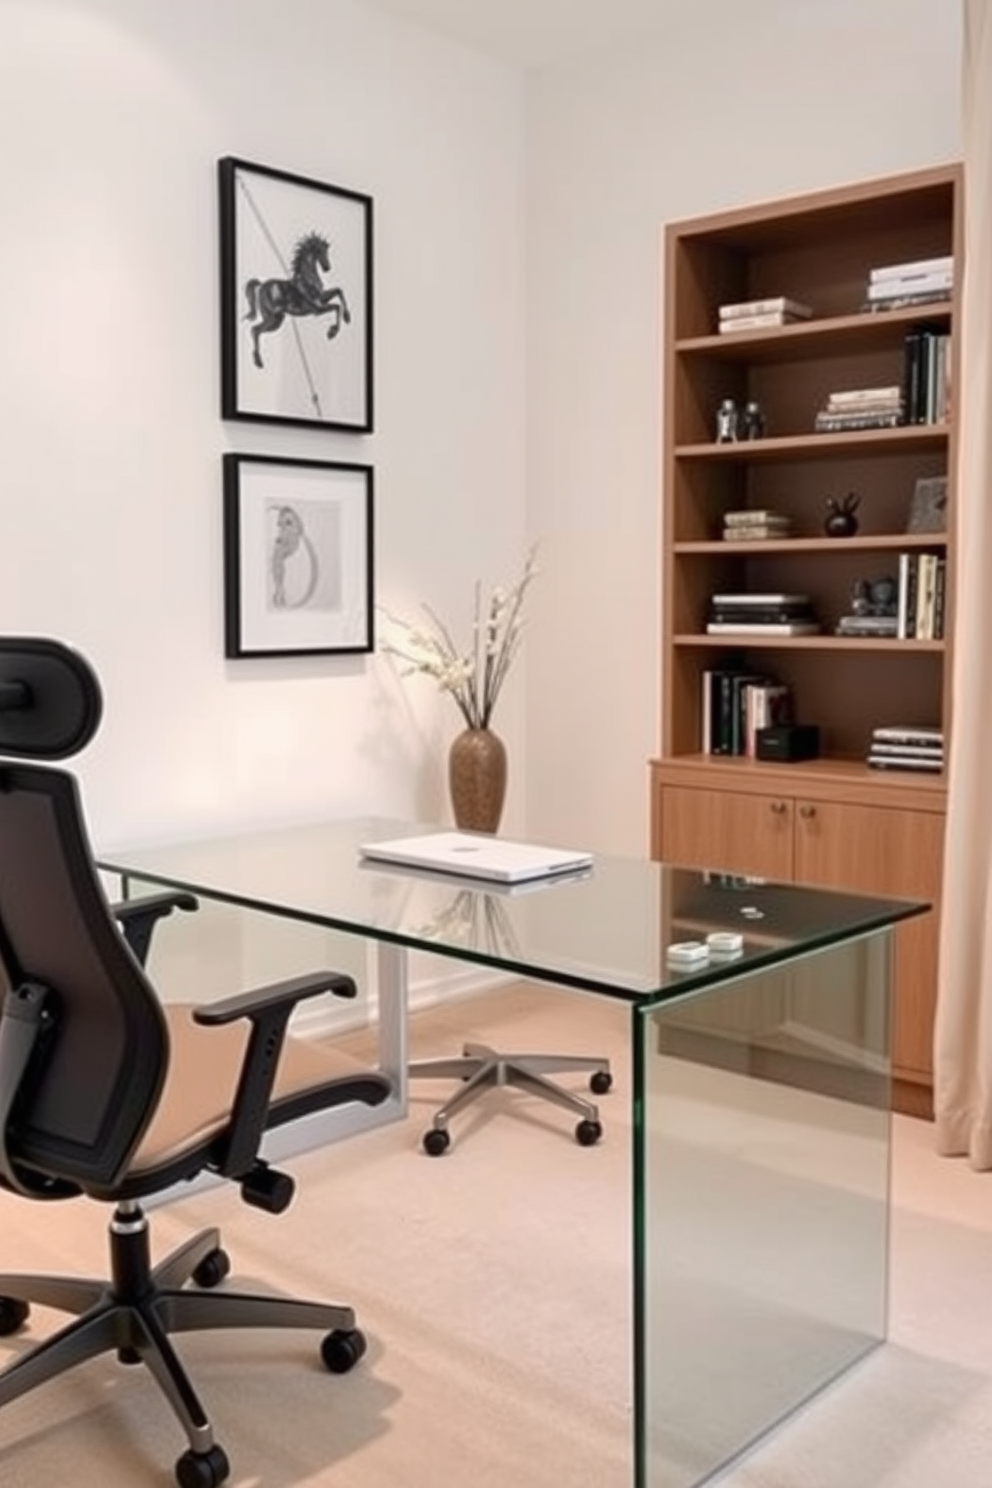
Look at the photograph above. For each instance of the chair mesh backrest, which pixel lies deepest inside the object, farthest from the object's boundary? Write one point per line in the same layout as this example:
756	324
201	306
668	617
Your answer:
98	1077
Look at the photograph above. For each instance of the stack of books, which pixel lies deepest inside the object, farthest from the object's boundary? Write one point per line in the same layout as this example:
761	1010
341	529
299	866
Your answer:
884	626
923	282
754	526
927	375
862	408
761	614
735	704
920	601
754	315
907	747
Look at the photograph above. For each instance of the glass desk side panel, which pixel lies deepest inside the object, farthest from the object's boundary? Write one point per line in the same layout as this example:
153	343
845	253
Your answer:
223	948
762	1149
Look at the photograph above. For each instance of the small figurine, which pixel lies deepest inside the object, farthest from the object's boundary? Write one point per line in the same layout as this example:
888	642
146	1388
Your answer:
753	422
883	596
860	598
840	520
726	422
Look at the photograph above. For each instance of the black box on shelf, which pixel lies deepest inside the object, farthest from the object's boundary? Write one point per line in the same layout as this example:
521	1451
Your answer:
788	741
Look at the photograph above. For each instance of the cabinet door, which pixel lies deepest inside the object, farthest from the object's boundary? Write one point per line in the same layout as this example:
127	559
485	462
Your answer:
726	830
873	850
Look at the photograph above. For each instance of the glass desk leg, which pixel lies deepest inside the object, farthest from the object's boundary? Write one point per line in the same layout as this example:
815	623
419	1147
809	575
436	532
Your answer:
761	1192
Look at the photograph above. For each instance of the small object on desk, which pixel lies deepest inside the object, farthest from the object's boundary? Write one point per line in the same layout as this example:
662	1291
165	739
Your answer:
724	944
478	855
684	953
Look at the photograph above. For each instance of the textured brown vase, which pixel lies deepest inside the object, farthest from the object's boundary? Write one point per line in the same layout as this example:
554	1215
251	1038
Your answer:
477	779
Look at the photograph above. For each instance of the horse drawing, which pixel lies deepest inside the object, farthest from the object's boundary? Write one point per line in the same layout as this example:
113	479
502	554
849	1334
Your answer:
271	300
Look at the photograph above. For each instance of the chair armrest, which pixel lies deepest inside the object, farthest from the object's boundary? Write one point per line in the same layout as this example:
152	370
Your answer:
138	917
276	995
268	1009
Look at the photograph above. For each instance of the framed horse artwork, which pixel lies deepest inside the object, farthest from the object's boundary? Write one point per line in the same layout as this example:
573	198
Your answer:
295	299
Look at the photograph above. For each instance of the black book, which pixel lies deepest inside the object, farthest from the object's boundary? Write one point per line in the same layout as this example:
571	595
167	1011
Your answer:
760	614
913	374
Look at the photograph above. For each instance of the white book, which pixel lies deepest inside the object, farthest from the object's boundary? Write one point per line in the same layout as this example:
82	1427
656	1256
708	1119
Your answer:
777	628
907	562
926	575
918	733
757	322
903	762
912	751
893	289
776	305
914	270
853	397
750	518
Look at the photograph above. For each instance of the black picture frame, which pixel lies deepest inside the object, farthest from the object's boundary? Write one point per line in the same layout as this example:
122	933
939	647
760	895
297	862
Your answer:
296	303
298	557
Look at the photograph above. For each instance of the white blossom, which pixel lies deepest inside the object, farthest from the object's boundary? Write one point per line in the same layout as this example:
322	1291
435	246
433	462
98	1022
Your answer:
473	678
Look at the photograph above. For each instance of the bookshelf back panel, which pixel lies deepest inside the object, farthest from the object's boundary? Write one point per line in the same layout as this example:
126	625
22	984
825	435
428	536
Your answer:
699	495
885	486
829	585
874	689
821	253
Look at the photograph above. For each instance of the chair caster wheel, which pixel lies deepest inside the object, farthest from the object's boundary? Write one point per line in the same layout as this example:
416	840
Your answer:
202	1469
212	1269
588	1133
342	1349
13	1314
601	1082
436	1142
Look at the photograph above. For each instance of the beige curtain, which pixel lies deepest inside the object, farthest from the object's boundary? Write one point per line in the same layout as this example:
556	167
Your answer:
963	1032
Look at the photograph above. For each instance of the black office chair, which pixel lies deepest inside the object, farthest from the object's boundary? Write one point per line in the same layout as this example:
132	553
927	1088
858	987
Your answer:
108	1094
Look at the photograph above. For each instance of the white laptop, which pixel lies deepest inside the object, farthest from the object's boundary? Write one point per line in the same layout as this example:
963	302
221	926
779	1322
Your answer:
472	856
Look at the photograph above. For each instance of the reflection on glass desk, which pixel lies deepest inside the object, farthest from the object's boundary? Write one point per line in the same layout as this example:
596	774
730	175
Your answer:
760	1095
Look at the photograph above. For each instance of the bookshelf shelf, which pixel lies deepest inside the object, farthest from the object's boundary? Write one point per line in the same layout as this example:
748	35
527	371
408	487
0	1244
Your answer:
712	809
916	437
886	542
826	337
850	644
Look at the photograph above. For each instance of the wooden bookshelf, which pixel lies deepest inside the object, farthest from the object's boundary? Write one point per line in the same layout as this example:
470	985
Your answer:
833	820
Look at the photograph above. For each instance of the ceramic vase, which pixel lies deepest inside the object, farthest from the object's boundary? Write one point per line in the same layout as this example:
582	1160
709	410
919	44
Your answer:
477	779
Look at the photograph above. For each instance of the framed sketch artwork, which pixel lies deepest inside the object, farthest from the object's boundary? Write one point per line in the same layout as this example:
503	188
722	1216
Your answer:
298	574
296	299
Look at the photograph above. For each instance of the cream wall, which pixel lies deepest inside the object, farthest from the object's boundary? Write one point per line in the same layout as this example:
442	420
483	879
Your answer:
112	115
718	105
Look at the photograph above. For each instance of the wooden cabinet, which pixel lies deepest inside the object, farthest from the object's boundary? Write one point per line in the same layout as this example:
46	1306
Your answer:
833	820
832	843
726	830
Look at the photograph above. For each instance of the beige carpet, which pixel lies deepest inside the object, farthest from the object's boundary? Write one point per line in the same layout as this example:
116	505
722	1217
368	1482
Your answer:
493	1284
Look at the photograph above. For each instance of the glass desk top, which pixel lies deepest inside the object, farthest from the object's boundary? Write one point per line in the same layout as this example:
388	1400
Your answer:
607	929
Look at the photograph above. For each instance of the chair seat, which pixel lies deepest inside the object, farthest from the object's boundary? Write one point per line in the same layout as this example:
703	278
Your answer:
205	1066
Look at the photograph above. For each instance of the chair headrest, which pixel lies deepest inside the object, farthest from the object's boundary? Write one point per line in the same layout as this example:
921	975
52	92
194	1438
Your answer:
50	699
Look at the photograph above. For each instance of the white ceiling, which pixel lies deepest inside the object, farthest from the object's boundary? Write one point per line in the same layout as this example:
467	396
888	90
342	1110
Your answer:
529	32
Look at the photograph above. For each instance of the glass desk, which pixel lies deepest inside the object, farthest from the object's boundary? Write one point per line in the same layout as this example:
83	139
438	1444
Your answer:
760	1163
